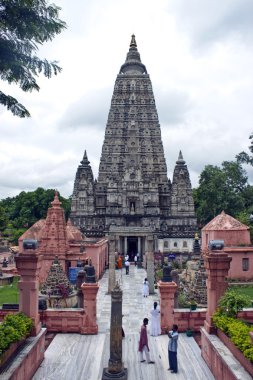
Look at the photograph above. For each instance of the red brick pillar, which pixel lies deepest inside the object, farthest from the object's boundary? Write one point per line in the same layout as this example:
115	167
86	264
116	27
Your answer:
28	266
90	308
217	265
167	294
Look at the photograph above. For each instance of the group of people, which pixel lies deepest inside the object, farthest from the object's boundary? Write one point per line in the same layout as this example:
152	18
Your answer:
172	345
119	261
155	331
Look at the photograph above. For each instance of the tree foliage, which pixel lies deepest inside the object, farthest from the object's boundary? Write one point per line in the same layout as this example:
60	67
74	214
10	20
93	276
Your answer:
245	158
222	188
22	211
24	25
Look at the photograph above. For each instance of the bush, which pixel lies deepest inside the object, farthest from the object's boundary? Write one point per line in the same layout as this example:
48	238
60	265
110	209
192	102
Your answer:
182	300
14	328
237	331
232	302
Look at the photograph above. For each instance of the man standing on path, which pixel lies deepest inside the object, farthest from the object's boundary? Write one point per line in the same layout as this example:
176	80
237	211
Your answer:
143	343
172	348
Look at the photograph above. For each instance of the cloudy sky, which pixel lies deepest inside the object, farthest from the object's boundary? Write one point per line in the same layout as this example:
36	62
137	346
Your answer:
199	56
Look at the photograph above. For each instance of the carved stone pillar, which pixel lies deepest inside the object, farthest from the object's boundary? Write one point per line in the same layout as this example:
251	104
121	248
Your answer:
125	245
217	264
28	266
167	294
115	368
112	275
90	308
150	271
139	246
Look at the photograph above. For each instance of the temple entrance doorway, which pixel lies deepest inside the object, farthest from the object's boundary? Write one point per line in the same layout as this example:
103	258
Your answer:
132	247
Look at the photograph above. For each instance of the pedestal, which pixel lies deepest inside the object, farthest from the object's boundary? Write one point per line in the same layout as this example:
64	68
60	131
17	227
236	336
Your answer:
217	264
90	308
122	375
28	266
167	293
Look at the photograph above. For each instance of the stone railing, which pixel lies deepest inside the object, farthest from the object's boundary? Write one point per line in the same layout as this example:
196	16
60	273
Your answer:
189	319
65	321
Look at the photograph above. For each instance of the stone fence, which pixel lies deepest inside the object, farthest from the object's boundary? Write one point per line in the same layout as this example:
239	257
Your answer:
67	321
187	319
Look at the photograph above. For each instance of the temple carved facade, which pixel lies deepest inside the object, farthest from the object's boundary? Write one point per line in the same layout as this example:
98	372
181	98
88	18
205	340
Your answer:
132	200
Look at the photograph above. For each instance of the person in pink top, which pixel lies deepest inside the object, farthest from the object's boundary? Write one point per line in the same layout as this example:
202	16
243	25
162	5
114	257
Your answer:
143	343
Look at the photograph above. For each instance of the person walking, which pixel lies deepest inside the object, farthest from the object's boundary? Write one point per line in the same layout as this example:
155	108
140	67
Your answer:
143	343
172	349
155	321
127	266
145	290
135	260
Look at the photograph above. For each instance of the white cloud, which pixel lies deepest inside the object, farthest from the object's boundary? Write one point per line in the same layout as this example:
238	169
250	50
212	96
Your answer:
199	58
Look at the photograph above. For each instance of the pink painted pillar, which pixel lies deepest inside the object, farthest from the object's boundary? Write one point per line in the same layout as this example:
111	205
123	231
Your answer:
167	294
28	266
217	265
90	308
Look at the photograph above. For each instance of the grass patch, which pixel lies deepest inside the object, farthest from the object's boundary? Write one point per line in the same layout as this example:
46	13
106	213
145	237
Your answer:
246	290
9	293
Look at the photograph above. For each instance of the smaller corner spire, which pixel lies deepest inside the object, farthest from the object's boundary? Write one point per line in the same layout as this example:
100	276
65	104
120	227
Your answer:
133	43
85	160
180	158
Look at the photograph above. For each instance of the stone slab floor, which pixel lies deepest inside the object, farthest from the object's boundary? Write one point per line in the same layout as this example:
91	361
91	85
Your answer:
83	357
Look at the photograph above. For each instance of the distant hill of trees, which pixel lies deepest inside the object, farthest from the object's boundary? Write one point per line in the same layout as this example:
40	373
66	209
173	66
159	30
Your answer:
19	213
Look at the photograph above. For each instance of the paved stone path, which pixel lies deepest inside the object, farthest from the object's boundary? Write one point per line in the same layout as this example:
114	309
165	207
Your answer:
80	357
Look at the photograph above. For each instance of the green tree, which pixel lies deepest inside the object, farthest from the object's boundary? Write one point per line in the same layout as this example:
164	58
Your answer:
244	217
221	188
245	158
25	209
24	25
3	219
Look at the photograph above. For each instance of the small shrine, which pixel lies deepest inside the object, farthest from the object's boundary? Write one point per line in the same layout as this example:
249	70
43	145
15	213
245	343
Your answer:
57	289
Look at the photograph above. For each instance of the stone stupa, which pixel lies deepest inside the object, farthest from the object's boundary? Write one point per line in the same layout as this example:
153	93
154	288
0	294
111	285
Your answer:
57	288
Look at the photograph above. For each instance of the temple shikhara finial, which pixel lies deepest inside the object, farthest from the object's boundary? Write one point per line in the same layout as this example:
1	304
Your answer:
133	42
56	203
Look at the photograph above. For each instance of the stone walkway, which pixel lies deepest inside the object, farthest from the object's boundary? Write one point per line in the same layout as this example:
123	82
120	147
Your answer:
81	357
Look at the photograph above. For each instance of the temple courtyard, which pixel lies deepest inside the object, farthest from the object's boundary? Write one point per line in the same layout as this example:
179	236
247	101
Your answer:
83	357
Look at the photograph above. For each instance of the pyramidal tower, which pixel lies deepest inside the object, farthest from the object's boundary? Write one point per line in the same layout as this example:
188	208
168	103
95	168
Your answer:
133	201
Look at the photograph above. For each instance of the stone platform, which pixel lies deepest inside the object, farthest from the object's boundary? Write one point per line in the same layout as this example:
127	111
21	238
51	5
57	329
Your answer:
79	357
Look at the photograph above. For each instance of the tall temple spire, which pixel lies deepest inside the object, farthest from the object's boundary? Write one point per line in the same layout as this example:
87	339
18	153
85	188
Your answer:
132	194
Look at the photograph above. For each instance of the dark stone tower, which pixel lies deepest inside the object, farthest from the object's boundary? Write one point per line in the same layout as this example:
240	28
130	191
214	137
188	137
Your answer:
133	197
